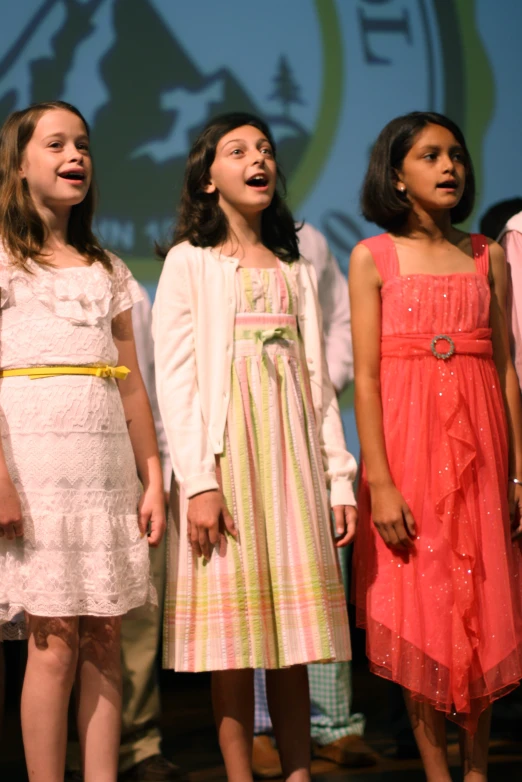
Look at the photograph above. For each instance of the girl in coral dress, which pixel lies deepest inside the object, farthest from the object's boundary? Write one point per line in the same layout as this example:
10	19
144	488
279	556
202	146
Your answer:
438	412
73	551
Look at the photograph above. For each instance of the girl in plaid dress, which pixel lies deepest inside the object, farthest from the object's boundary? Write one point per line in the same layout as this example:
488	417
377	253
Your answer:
256	439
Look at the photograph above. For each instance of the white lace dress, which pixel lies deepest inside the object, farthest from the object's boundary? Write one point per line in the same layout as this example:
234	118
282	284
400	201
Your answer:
67	447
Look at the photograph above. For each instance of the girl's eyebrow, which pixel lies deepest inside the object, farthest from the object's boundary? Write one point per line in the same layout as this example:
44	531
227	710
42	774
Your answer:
437	148
54	135
60	134
233	141
262	140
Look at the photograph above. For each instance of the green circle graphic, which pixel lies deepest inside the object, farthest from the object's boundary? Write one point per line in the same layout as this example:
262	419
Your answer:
469	85
329	113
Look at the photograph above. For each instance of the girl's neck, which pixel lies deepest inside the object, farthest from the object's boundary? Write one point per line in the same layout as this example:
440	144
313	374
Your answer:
56	227
244	233
432	228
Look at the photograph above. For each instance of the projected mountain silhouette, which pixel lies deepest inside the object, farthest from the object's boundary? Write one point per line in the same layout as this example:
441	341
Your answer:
48	75
158	101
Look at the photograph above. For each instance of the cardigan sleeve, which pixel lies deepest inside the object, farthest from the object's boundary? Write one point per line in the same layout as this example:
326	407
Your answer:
176	377
339	465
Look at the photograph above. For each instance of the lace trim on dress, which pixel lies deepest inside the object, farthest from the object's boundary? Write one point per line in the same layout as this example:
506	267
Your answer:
125	289
140	594
82	295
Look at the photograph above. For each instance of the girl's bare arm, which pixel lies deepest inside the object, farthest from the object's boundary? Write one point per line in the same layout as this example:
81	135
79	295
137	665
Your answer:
391	515
141	430
11	523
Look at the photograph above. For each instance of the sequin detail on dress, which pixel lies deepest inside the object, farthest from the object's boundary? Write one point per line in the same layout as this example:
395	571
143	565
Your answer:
443	621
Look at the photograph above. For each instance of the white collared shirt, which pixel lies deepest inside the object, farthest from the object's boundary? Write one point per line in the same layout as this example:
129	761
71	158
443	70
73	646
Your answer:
332	287
142	327
511	240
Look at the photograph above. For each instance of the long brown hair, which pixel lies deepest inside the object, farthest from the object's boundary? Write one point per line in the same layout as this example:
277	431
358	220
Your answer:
202	222
22	230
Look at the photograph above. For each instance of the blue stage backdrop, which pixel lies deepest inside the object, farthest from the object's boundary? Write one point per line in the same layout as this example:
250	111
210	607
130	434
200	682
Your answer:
326	74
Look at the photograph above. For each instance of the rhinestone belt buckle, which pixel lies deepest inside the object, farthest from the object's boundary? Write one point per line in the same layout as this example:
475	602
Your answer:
448	353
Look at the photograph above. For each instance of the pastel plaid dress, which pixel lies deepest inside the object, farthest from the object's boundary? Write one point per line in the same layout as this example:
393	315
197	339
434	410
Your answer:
273	597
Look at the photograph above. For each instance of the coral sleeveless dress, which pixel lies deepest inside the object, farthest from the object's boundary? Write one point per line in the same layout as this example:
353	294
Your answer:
443	621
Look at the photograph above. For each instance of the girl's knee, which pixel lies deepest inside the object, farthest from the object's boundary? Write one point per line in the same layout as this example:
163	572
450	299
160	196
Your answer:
53	645
100	641
105	630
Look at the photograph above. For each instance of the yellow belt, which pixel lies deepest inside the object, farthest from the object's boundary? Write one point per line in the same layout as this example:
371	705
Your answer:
36	373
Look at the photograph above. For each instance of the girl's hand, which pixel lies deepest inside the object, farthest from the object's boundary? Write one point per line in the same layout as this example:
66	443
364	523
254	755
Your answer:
515	509
151	515
207	518
392	517
345	517
10	511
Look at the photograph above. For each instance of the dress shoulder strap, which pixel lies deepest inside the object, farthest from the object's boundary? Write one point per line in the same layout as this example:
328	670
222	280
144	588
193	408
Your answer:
480	247
384	254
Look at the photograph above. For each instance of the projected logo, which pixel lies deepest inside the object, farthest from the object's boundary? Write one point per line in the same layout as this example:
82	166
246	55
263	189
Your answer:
148	75
146	97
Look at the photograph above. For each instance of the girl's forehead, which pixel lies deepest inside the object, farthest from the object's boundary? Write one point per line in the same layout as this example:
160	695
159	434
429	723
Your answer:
245	133
59	121
436	135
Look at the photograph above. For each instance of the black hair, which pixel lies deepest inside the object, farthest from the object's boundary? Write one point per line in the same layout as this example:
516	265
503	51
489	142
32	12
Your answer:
381	202
493	221
202	222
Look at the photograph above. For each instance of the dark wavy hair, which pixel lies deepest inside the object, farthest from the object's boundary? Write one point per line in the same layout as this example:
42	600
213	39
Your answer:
493	221
202	222
22	230
381	202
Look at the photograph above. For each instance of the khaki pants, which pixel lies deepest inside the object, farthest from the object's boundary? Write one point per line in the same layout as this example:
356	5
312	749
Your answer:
140	636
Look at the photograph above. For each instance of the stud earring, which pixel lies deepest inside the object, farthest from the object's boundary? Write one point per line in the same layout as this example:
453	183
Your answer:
402	188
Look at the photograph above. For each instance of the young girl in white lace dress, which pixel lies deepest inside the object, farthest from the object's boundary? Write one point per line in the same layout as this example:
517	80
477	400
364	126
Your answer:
75	435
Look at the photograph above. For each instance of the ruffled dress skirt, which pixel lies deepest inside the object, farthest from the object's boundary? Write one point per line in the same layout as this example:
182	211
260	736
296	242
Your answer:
443	620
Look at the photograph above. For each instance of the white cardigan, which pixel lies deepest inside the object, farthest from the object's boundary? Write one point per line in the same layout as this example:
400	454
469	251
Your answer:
193	329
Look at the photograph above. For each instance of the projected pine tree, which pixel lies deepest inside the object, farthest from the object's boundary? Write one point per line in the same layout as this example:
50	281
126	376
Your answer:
286	90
